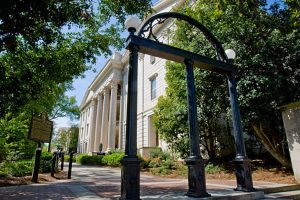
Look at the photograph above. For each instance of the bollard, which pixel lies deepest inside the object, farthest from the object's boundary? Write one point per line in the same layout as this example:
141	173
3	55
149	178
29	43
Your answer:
36	168
70	165
62	160
56	160
53	164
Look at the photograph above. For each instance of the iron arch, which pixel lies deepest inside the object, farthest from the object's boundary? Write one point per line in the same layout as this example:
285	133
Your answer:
162	17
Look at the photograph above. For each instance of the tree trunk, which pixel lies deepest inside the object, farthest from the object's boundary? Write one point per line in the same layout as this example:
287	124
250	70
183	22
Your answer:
271	145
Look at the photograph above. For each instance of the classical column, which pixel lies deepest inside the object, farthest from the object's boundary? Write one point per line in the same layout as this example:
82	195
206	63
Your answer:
121	120
104	124
92	125
98	123
112	116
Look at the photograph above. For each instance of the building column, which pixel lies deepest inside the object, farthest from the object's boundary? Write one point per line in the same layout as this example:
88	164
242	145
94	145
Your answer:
92	126
121	120
112	116
98	123
104	124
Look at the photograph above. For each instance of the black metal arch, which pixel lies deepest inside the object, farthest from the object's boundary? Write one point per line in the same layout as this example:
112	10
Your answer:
130	184
162	17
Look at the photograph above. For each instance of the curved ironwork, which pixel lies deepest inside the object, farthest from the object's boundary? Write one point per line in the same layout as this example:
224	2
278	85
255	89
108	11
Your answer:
162	17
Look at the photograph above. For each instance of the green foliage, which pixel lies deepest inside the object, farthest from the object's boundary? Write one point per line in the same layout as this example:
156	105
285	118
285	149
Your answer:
14	144
50	43
66	138
79	157
144	162
91	160
16	168
267	76
294	9
85	159
158	153
161	163
46	162
64	107
67	158
213	169
161	159
113	159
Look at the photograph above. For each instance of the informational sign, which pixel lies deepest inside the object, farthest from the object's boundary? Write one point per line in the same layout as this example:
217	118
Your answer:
40	129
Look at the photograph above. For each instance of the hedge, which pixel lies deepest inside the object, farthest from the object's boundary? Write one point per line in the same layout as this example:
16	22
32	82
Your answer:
113	159
85	159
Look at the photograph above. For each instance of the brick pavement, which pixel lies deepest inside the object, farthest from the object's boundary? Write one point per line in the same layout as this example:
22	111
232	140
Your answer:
104	183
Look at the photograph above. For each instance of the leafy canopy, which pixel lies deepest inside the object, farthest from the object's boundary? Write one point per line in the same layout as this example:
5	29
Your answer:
45	44
266	40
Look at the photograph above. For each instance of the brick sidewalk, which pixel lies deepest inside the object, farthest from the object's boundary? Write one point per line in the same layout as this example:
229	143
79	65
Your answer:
104	183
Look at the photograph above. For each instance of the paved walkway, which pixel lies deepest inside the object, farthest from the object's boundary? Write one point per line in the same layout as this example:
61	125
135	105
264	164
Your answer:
94	183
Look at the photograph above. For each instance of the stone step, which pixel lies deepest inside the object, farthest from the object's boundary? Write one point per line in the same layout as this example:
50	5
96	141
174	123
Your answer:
214	196
280	189
295	194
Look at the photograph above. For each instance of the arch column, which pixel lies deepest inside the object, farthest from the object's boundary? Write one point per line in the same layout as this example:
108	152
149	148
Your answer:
112	116
98	123
104	124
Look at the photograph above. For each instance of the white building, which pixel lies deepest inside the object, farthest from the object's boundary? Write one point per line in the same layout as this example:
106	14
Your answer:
103	108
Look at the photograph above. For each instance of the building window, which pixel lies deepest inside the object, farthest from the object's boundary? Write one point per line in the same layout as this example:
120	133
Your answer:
153	88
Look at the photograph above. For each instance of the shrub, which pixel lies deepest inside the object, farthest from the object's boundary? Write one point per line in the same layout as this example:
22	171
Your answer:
85	159
16	168
155	162
212	169
113	159
67	158
158	153
168	164
158	157
45	163
79	157
145	161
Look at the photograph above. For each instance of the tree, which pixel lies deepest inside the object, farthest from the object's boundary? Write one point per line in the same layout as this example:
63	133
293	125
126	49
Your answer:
14	144
267	45
66	138
45	44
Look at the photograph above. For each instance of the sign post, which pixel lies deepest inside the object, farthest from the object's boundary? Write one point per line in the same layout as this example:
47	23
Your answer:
40	131
36	167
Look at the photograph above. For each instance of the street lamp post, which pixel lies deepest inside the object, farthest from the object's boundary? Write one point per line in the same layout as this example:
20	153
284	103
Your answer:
243	164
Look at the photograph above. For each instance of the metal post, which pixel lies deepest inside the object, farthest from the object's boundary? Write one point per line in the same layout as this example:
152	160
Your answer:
70	165
53	164
130	172
37	160
62	160
196	172
56	159
243	164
